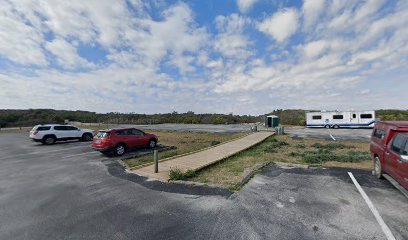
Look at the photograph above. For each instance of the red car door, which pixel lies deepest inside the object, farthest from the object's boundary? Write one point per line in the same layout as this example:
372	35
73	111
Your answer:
123	136
402	166
393	156
140	138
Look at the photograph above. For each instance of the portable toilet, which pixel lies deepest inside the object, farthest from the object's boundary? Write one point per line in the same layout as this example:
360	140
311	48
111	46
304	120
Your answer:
271	121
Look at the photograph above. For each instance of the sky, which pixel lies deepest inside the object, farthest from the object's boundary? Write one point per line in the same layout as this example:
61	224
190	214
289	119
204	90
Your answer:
206	56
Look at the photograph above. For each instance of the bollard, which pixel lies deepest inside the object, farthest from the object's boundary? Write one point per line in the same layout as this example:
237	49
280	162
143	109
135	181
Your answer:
156	161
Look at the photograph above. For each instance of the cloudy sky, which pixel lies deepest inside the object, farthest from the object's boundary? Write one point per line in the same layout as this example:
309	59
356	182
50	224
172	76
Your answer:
240	56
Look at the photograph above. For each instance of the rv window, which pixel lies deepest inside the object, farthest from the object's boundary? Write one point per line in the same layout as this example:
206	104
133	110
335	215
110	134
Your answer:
366	116
354	115
337	116
316	117
379	133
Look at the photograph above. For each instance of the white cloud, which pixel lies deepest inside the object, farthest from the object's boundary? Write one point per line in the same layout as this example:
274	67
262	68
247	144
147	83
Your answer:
365	91
231	40
66	54
315	48
232	45
215	64
282	25
20	42
311	12
233	23
245	5
176	34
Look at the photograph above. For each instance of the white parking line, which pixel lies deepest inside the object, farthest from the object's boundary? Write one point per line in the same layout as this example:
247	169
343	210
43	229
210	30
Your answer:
331	135
377	216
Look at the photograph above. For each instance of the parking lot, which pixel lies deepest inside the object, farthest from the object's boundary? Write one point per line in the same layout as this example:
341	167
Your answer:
341	134
68	191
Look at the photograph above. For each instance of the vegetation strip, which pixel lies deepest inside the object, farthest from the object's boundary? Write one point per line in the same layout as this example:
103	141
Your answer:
188	153
284	149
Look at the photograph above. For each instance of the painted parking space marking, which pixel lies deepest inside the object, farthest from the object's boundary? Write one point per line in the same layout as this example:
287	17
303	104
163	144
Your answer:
377	215
331	135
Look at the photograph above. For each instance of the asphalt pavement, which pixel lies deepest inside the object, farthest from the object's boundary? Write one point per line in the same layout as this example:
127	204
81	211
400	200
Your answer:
342	134
68	191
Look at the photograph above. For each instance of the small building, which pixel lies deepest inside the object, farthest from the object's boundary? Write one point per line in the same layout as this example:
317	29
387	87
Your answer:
271	121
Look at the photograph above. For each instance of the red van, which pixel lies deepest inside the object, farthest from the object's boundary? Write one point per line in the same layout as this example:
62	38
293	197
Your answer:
119	141
389	150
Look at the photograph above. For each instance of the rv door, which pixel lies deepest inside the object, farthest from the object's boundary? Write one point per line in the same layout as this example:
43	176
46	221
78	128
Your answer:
354	118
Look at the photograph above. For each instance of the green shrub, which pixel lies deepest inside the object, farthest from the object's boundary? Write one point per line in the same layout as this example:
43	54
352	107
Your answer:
270	150
319	156
278	144
215	143
300	145
331	146
178	174
295	154
354	156
190	173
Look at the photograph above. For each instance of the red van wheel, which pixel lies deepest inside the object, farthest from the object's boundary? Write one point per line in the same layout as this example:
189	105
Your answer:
378	168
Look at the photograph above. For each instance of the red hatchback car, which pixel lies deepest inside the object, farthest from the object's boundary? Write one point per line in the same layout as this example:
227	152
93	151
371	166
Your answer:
120	140
389	150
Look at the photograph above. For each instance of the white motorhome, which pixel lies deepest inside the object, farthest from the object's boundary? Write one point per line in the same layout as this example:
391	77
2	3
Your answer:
336	119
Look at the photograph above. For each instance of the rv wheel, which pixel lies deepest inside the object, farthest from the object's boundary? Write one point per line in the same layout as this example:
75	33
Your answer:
327	126
336	126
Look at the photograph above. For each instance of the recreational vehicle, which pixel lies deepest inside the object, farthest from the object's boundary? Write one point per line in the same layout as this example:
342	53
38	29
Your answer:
347	119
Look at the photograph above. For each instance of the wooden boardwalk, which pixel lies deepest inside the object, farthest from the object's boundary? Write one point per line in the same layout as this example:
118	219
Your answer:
198	160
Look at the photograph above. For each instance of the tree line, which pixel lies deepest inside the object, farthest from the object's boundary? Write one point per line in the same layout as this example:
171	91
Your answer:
30	117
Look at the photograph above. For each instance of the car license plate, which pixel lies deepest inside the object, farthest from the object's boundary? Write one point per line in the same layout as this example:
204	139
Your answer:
98	141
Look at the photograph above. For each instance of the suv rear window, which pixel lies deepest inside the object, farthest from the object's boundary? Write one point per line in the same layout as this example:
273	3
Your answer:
102	134
42	128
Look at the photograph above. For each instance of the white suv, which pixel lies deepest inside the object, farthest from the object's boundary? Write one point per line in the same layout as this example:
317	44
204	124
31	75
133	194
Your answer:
50	133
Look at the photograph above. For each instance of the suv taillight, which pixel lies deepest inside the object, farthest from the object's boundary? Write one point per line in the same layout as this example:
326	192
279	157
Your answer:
35	132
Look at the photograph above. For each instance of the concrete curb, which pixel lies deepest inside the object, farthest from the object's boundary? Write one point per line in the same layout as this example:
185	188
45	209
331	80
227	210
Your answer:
192	183
251	173
293	165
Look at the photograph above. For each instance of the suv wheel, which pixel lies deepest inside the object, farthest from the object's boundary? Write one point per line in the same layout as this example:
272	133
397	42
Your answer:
152	143
377	168
120	150
49	140
87	137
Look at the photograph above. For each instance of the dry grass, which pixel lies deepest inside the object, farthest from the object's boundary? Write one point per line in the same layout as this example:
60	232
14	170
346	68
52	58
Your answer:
185	142
230	171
